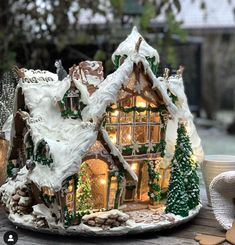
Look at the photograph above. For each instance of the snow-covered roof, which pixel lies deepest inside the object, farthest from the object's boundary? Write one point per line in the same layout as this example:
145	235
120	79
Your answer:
108	92
176	85
68	140
110	87
127	47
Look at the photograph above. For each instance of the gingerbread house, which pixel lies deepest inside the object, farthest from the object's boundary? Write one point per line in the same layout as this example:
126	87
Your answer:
88	154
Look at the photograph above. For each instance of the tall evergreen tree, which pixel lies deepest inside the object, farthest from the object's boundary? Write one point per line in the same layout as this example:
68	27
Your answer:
184	182
177	198
188	168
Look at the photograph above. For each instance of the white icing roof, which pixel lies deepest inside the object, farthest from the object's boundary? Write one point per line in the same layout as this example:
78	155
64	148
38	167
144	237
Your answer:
108	92
127	47
68	139
109	88
176	86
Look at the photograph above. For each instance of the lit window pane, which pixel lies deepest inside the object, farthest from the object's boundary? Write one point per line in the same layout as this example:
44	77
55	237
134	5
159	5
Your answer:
112	132
141	117
141	134
126	117
125	135
155	133
140	102
113	117
154	117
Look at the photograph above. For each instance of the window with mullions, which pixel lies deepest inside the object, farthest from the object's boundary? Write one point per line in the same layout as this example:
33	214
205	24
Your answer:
70	105
130	122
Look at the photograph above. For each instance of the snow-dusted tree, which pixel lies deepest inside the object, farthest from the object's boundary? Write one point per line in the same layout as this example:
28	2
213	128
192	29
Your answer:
183	193
188	167
177	198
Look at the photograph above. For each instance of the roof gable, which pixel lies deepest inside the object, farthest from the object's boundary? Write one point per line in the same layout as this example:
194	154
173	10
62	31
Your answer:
127	47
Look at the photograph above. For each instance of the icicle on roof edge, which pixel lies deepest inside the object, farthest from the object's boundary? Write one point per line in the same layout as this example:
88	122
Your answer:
127	47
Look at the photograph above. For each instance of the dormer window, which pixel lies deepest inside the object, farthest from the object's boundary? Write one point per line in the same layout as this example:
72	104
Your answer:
70	104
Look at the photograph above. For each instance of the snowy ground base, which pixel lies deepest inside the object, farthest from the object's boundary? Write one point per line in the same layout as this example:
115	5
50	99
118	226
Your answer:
139	222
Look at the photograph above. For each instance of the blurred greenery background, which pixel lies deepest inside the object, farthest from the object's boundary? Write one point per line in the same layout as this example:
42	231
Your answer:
33	34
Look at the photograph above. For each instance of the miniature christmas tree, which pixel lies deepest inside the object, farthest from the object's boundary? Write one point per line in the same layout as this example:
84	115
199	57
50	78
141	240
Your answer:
177	198
84	195
188	167
184	174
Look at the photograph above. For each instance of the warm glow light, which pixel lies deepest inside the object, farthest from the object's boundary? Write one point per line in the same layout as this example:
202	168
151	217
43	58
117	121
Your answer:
128	136
102	181
113	138
70	188
141	104
48	191
115	113
134	166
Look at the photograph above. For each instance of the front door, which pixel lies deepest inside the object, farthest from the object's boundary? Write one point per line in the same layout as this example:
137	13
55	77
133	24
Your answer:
98	172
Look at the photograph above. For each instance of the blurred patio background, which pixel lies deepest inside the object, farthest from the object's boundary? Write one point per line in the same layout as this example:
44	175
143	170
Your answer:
200	35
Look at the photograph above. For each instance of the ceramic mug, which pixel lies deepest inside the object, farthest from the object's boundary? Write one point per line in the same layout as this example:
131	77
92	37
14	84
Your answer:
212	166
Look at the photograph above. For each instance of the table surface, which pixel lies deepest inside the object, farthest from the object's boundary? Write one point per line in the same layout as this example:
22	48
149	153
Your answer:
204	223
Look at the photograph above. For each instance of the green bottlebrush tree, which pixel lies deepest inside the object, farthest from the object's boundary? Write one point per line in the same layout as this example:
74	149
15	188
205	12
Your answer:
188	167
84	196
177	198
184	174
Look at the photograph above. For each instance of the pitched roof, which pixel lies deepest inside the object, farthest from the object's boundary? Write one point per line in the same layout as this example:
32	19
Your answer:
127	47
109	88
67	139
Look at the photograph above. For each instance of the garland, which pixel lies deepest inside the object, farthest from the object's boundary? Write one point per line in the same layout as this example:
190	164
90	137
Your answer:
120	177
161	108
154	67
153	183
151	61
40	155
174	98
69	113
116	61
143	148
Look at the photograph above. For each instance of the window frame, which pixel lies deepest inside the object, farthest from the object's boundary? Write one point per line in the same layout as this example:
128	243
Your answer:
133	124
